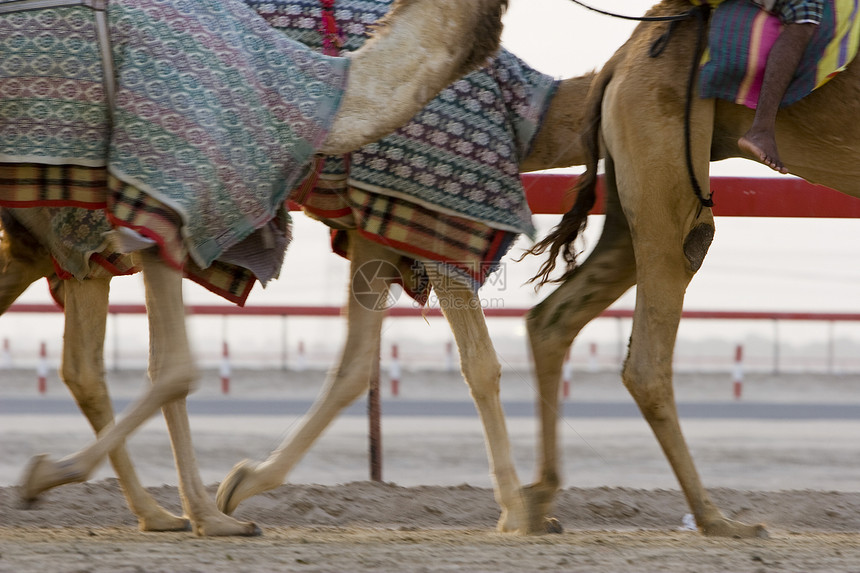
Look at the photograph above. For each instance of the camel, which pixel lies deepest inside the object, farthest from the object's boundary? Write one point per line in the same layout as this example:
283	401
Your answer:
419	48
82	368
657	232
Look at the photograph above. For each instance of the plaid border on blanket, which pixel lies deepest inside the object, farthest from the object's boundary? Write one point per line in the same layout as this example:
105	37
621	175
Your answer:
465	249
85	188
28	185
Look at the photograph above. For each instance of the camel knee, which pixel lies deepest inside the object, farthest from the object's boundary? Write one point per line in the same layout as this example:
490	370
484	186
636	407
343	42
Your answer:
697	243
177	386
545	322
652	393
483	378
82	376
346	385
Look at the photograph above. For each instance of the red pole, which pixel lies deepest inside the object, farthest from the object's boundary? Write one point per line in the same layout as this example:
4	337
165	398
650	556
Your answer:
449	356
394	371
42	369
592	357
738	372
225	369
300	359
6	357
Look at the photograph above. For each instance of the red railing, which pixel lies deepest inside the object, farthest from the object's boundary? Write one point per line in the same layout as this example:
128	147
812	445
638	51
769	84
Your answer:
551	193
328	311
733	197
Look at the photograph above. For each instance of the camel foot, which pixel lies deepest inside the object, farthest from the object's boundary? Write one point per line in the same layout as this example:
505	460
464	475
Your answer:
236	487
43	474
723	527
161	520
221	525
553	526
514	518
538	500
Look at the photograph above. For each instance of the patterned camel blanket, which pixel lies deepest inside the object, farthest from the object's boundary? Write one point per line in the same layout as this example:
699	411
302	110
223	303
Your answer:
455	164
446	186
213	118
742	35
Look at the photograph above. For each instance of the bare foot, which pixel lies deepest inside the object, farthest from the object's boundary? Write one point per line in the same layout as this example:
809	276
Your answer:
764	148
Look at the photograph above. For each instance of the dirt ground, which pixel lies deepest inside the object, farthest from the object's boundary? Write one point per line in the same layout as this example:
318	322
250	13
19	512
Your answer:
365	526
436	511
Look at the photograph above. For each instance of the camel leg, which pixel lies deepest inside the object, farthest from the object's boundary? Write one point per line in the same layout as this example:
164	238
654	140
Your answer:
16	274
607	273
671	234
173	374
82	370
482	372
349	380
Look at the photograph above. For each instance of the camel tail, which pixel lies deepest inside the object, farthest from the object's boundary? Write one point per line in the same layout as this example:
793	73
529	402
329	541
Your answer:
560	241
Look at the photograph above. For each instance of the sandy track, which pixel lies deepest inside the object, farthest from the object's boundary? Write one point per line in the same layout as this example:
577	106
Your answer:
758	471
365	526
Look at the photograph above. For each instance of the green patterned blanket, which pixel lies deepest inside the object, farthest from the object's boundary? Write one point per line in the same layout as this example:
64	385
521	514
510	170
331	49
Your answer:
212	119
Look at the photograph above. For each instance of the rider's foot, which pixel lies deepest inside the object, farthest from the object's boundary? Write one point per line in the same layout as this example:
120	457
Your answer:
763	147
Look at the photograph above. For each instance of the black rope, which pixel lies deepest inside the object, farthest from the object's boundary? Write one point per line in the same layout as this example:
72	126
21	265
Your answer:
701	13
672	18
701	18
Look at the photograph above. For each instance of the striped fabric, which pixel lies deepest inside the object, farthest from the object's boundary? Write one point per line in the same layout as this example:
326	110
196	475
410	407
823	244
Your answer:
742	35
465	249
75	232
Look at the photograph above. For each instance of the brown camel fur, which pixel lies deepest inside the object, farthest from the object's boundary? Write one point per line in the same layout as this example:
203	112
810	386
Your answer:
556	144
420	48
657	233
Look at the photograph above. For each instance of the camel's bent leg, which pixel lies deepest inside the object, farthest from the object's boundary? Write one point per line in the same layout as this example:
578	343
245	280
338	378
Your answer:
173	374
82	370
349	380
671	234
17	273
482	372
553	325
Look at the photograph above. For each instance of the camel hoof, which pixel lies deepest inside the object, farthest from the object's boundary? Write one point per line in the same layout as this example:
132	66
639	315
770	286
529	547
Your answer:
226	498
735	529
43	474
538	500
163	522
227	527
553	526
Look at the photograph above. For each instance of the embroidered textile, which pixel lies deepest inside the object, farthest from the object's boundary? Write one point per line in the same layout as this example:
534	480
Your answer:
460	154
216	118
446	186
